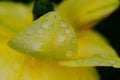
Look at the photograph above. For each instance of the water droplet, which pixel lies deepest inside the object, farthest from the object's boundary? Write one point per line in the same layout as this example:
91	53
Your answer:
69	53
67	31
56	13
37	45
61	38
18	38
29	31
63	24
74	40
79	61
26	44
16	66
20	32
45	25
41	31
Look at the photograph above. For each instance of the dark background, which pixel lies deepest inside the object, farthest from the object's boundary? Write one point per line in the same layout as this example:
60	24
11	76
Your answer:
110	28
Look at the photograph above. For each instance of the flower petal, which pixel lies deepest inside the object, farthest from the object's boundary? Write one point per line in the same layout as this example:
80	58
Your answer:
11	63
48	38
5	32
14	16
83	12
93	50
53	71
16	66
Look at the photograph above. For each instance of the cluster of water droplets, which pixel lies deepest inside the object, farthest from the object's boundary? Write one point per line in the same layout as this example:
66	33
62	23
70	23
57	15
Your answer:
50	36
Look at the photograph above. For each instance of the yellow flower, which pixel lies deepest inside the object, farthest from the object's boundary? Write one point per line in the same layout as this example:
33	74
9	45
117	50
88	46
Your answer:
51	38
63	54
16	66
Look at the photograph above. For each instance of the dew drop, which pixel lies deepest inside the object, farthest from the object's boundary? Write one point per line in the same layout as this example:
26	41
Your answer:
18	38
37	45
16	66
45	25
29	31
95	62
61	38
67	31
79	61
69	53
63	24
56	13
74	40
41	31
20	32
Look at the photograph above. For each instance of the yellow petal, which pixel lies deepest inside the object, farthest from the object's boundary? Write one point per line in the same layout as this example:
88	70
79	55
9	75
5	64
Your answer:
35	70
81	13
11	63
14	15
94	50
15	66
91	43
5	32
2	40
48	38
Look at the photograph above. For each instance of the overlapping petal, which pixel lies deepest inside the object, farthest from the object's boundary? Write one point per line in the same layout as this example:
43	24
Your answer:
48	38
86	13
5	32
11	63
15	16
16	66
94	50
